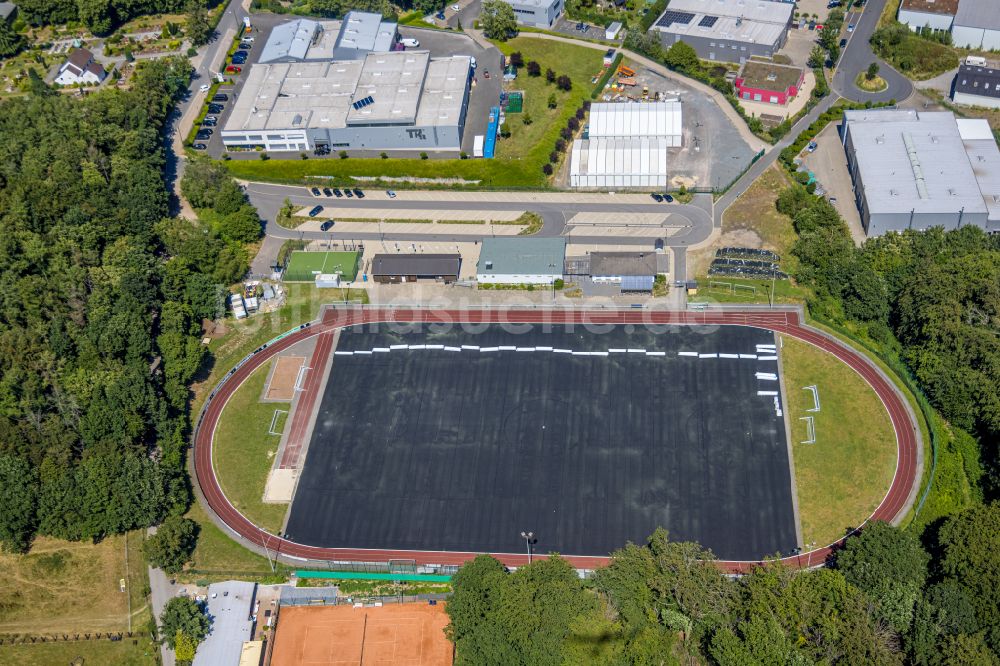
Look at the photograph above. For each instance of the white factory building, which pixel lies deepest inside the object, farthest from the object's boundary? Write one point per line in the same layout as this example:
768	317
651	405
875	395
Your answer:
626	145
920	169
401	100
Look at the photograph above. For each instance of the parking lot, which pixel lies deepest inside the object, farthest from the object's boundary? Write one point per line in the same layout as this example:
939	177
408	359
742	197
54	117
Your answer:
484	93
829	164
712	151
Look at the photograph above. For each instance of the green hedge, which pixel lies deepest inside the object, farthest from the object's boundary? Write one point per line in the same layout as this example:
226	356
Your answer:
608	73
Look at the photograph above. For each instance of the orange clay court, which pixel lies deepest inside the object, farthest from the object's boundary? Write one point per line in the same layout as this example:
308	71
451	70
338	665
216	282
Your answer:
282	384
394	635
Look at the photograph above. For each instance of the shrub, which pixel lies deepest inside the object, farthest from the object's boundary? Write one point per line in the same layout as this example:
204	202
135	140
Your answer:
573	124
527	119
564	83
304	156
505	130
423	156
463	155
554	156
516	59
343	154
581	113
552	101
384	155
264	157
534	69
566	133
547	169
550	76
560	145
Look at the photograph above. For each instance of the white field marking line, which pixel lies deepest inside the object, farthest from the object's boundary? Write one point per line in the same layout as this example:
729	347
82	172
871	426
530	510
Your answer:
274	421
810	429
767	393
556	350
815	392
767	358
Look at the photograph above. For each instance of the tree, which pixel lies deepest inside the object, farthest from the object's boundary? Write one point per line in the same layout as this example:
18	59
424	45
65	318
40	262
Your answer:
10	41
497	20
171	547
241	226
184	616
526	118
872	71
817	57
184	648
97	15
970	545
516	59
197	26
889	565
18	496
682	57
550	75
552	103
564	83
547	169
534	69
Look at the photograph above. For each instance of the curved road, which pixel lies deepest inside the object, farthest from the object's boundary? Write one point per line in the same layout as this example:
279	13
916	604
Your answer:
894	505
858	55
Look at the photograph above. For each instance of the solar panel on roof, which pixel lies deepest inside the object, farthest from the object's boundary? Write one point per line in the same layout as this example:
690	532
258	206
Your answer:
707	21
670	17
362	103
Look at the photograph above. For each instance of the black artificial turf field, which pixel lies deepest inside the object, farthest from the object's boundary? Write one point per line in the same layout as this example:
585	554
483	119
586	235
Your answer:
447	450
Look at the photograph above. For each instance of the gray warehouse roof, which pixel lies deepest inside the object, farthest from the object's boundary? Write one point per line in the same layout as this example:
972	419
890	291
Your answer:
416	264
622	263
229	606
522	256
925	162
974	80
364	31
978	14
750	21
290	41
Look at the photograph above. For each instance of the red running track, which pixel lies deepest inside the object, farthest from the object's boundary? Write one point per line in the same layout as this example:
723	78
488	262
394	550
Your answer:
787	322
307	401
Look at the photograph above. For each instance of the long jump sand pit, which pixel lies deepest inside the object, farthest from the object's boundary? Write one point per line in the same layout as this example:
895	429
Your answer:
394	635
285	372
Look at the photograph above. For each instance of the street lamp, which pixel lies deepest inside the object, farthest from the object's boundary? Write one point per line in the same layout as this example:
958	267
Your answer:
528	536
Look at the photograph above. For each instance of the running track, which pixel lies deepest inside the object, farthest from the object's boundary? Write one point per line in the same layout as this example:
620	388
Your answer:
893	505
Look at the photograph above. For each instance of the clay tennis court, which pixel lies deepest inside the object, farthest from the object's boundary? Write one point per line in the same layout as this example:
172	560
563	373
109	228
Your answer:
394	635
282	385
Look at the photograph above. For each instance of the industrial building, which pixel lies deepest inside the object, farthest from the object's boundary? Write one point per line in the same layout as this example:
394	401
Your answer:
626	145
933	14
977	86
632	271
916	169
521	260
402	100
767	81
362	33
290	42
396	268
977	25
536	13
230	605
726	30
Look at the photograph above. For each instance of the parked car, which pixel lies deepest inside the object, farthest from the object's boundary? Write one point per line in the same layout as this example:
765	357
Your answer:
215	108
199	146
327	192
657	197
456	8
439	16
581	27
812	146
202	137
337	193
358	193
348	193
315	191
326	226
220	97
214	119
390	194
474	63
240	54
315	210
668	199
204	87
850	28
246	45
233	69
843	43
409	42
322	150
208	123
239	61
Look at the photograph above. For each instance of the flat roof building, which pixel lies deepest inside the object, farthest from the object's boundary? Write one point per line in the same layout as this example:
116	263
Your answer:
521	260
935	14
917	169
402	100
362	33
536	13
290	42
977	86
626	145
768	81
726	30
229	605
632	271
393	268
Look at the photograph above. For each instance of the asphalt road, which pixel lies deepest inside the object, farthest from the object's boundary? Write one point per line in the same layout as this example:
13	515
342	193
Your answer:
858	55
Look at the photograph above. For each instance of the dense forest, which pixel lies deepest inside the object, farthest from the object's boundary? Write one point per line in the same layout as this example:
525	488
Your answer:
101	16
886	598
103	297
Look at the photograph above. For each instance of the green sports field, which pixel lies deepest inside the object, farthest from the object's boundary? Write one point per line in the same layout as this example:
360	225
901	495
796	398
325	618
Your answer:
303	266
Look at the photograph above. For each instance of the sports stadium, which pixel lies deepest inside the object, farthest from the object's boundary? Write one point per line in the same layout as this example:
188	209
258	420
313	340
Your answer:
428	436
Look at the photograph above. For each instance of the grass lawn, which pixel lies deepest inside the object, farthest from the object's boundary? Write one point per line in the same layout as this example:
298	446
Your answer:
519	159
218	557
244	450
846	473
65	586
302	264
121	653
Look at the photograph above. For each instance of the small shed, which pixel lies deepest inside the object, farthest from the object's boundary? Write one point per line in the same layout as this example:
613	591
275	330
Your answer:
611	32
397	268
